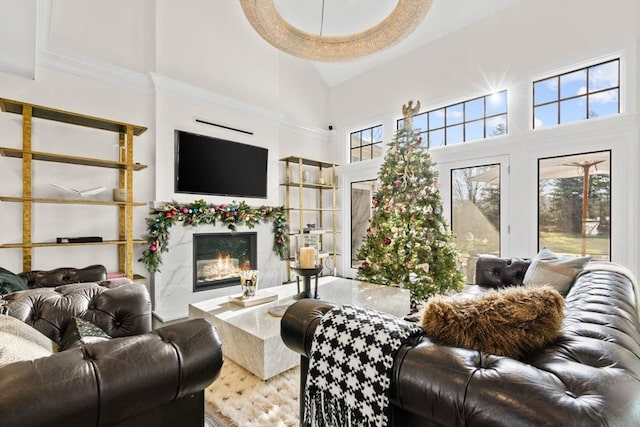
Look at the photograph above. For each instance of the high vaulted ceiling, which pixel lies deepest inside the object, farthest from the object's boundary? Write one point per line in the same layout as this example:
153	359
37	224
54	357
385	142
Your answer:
445	16
20	28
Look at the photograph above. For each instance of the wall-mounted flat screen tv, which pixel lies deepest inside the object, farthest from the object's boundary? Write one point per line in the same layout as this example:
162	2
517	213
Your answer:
214	166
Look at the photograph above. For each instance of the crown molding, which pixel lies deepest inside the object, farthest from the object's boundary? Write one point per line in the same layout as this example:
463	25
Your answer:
67	62
147	83
171	86
60	60
321	135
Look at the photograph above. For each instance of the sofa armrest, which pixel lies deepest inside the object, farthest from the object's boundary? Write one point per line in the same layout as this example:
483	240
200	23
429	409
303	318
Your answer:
111	381
64	276
300	322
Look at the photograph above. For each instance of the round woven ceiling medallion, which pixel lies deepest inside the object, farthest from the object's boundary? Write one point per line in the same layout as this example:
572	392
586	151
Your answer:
269	24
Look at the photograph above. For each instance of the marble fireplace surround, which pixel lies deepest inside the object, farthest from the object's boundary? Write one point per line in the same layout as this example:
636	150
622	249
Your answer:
172	286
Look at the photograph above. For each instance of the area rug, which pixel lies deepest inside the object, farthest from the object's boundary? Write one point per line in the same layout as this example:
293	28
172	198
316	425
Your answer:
239	399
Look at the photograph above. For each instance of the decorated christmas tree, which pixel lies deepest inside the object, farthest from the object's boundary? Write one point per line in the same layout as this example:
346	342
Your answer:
409	243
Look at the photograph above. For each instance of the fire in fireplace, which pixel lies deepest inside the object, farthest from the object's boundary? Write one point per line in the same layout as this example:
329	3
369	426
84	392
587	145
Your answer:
218	258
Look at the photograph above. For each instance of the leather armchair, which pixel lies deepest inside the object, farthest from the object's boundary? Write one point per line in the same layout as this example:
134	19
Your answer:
138	378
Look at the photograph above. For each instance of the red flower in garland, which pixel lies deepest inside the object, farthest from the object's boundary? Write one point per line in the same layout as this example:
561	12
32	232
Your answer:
387	241
374	202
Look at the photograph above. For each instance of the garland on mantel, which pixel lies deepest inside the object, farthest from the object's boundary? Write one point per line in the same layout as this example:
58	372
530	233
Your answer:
199	212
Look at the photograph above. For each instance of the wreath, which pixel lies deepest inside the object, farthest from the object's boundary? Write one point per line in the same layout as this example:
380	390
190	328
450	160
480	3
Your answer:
199	212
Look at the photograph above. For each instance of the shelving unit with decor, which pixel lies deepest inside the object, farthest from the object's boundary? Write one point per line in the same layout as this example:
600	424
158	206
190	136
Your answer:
310	193
124	165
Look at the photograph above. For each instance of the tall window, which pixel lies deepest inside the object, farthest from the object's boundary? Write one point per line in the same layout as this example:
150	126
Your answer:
366	144
475	221
577	95
574	207
477	118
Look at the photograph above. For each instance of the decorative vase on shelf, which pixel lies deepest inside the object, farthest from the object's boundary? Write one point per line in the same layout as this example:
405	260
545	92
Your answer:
306	176
119	194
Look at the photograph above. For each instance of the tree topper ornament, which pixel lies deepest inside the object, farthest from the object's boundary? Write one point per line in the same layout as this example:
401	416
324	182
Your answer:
408	111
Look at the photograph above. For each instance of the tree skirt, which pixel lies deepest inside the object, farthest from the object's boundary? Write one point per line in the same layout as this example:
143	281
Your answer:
245	400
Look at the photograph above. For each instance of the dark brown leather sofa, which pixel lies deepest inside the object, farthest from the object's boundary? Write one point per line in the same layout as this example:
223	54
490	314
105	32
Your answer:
139	377
590	376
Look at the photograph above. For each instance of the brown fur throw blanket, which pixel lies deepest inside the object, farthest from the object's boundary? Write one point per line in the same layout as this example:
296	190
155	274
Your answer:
508	322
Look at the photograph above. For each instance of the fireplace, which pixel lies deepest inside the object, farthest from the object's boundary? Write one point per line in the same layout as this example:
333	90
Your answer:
218	259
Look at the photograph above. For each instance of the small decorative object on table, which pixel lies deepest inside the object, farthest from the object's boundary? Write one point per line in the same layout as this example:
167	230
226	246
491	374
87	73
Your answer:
250	294
249	283
307	263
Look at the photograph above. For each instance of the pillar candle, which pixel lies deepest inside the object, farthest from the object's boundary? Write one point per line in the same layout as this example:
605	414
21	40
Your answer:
307	257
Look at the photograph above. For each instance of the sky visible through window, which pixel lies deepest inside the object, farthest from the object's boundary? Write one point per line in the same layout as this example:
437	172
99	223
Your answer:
366	144
475	119
577	95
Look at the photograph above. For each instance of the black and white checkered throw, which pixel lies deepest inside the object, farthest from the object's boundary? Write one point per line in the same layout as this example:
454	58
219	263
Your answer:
350	367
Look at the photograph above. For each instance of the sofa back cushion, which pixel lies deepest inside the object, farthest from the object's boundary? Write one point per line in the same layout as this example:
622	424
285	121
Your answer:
64	276
494	272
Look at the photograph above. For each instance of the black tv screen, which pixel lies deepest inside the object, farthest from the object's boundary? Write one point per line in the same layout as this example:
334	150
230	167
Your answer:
214	166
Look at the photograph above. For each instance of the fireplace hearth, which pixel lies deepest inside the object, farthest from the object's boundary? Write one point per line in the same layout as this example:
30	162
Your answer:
218	259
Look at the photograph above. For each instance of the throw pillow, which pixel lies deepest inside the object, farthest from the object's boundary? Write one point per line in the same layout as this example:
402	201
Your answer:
10	282
17	327
547	268
14	348
508	322
81	332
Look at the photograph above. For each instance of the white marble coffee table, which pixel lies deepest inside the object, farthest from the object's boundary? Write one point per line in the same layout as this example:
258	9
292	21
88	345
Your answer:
251	336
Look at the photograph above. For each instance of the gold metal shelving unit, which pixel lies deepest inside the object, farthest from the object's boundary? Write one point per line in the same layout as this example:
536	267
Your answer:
124	165
302	211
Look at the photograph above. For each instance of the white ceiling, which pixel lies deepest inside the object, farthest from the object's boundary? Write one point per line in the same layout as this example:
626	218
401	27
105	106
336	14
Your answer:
351	16
334	17
341	17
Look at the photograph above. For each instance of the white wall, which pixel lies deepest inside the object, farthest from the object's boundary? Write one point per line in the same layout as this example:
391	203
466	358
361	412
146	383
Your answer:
526	40
211	68
510	50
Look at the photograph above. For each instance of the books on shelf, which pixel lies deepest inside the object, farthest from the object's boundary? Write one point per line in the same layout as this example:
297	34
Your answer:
314	230
80	193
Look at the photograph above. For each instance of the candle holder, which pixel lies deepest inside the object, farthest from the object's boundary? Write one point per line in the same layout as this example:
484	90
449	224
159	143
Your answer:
307	274
306	263
307	251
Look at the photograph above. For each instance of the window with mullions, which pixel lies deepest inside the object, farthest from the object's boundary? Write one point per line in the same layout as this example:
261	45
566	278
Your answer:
366	144
477	118
577	95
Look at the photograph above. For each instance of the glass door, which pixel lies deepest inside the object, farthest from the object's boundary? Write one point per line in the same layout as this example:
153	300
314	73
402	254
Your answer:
474	194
